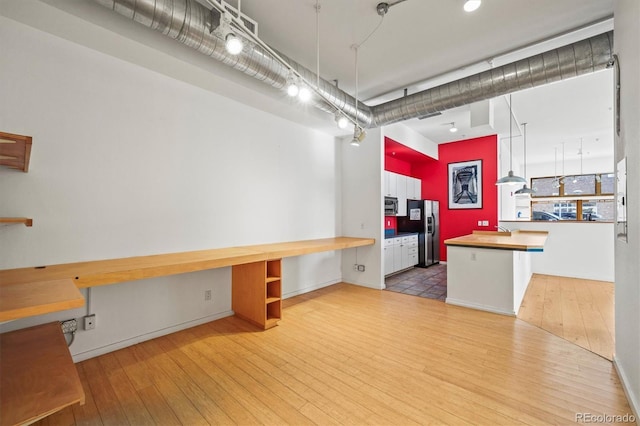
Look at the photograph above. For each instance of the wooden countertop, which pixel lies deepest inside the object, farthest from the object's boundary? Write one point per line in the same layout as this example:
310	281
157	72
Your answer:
112	271
37	374
38	290
36	298
514	240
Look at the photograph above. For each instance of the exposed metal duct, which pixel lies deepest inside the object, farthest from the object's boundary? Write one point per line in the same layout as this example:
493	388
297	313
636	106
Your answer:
190	23
583	57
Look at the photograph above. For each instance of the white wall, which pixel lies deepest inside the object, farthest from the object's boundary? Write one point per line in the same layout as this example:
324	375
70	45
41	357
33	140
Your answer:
126	161
362	208
578	250
627	288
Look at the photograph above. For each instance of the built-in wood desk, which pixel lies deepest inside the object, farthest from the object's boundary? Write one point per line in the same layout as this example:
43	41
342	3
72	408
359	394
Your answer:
37	375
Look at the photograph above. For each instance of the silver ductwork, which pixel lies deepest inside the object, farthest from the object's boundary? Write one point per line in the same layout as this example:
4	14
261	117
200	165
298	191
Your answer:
583	57
190	23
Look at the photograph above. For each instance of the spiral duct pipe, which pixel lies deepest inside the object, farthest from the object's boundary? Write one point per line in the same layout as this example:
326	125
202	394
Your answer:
191	23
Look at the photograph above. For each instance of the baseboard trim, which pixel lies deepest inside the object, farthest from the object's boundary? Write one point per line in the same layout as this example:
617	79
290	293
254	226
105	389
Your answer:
631	396
308	289
92	353
479	307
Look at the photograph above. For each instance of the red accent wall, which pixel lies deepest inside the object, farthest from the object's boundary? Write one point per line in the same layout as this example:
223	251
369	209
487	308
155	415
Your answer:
454	223
394	165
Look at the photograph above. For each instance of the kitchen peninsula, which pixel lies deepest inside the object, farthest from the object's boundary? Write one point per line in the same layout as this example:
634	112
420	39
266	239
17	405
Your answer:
490	271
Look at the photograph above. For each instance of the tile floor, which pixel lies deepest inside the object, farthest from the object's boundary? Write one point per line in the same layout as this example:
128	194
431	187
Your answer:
428	282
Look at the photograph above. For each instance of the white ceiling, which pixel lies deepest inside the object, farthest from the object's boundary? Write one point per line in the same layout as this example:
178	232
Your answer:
422	43
419	44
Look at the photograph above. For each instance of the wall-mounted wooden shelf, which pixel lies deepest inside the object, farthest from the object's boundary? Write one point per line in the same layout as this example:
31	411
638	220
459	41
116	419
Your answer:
15	151
17	220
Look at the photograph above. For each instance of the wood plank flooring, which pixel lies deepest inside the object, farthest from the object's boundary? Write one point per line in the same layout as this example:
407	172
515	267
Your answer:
580	311
350	355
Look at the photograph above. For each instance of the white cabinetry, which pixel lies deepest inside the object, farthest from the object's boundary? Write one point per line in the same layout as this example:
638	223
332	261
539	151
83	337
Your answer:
402	194
390	184
414	189
388	256
400	253
403	188
409	251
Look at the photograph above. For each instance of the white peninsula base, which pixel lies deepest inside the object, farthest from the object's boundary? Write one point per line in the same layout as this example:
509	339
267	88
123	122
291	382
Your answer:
492	280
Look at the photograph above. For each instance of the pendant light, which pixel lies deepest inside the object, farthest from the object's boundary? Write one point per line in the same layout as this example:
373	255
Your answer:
575	180
556	181
525	189
510	179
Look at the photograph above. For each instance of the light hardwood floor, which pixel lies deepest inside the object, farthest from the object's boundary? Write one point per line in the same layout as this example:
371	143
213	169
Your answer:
580	311
351	355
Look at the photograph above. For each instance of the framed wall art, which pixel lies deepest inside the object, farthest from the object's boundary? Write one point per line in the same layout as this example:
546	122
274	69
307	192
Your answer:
465	185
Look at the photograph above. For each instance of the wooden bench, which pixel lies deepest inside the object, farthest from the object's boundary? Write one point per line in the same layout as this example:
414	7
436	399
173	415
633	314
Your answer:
37	374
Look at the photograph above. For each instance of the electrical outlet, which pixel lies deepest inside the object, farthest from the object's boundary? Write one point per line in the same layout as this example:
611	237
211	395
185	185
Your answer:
485	223
361	268
90	322
207	295
69	326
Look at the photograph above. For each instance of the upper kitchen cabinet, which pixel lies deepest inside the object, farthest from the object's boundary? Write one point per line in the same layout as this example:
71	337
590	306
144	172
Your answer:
390	184
403	188
402	194
414	189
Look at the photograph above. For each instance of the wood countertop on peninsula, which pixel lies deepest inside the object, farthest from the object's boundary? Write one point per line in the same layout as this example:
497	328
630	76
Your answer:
515	240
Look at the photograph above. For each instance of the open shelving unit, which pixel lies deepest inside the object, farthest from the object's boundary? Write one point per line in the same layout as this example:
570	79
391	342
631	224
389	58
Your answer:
256	294
15	151
273	300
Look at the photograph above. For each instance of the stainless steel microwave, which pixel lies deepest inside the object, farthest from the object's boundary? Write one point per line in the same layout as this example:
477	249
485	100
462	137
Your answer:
390	206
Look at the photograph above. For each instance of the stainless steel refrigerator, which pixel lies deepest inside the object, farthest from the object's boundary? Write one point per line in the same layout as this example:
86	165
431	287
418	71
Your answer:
423	217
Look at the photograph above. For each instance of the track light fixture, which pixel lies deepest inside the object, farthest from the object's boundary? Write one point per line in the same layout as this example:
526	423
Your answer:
453	128
471	5
304	94
292	85
341	120
232	42
358	136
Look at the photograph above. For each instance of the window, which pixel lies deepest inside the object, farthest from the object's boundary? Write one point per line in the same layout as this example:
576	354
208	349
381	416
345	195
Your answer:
573	186
598	210
572	209
545	187
606	183
580	185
